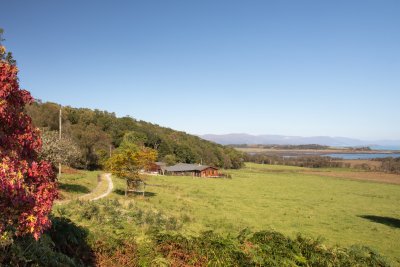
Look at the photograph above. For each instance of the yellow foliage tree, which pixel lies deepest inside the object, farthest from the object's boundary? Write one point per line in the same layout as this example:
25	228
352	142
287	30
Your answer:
127	161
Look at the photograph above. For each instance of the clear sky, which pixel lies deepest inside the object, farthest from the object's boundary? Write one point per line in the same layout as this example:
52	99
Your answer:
260	67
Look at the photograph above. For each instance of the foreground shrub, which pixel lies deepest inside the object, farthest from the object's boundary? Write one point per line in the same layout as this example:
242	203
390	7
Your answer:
71	240
265	248
69	245
27	184
137	237
63	245
116	253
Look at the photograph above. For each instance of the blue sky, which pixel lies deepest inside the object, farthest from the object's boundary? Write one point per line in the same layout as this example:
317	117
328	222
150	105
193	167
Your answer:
260	67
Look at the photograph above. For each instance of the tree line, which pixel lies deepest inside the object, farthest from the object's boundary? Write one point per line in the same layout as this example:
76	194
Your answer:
299	161
288	147
303	147
391	165
388	165
97	133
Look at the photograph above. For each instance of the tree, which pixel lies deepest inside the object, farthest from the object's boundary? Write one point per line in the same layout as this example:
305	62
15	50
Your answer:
90	138
170	159
127	161
45	115
27	185
8	57
134	138
57	150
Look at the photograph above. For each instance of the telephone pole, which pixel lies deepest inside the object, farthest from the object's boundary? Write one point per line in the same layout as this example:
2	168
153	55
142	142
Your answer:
59	164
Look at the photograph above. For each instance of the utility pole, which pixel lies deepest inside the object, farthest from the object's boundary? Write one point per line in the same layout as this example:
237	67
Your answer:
59	164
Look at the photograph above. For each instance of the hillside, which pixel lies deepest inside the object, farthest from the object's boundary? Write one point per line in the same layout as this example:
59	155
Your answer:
96	132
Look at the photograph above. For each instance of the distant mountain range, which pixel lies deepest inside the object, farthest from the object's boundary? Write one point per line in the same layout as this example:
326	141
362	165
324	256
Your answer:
236	139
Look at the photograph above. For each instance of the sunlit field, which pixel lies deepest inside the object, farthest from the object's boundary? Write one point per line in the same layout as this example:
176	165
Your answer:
290	200
77	183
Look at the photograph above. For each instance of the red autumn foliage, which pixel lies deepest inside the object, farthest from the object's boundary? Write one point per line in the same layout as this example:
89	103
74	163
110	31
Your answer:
27	185
125	254
180	256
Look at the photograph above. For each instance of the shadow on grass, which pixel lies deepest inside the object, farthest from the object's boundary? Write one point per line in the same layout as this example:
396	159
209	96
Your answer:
76	188
64	244
146	194
392	222
71	240
119	192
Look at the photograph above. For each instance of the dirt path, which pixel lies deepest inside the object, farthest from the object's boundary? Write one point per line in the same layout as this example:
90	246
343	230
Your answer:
104	188
110	187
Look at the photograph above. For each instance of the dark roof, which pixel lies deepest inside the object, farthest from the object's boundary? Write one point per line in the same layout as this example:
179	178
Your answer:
184	167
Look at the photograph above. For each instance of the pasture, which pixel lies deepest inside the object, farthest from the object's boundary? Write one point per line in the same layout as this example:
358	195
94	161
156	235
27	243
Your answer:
77	183
290	200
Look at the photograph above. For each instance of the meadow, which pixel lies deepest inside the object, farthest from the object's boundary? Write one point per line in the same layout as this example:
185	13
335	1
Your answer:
75	184
289	200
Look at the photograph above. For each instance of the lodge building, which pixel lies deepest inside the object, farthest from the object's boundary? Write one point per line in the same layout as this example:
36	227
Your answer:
195	170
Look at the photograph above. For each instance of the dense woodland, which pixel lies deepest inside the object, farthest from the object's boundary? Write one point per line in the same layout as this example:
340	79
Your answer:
97	133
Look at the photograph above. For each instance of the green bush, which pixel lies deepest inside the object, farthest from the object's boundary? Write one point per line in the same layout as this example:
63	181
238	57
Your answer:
63	245
113	242
265	248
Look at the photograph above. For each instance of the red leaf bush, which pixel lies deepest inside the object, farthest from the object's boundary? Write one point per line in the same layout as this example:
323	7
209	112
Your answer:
28	186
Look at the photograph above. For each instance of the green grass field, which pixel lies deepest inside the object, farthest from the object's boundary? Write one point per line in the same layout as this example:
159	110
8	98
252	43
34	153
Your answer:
342	212
77	184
